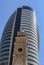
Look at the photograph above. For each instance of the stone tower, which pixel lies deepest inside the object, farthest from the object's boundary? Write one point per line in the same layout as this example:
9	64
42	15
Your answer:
20	54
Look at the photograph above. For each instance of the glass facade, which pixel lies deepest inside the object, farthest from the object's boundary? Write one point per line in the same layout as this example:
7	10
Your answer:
23	19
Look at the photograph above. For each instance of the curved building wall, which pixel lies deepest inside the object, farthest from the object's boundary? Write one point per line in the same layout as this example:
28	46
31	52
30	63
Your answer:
6	41
28	24
23	19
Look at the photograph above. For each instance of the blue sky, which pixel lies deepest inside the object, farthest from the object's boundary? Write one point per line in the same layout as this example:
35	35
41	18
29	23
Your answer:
7	7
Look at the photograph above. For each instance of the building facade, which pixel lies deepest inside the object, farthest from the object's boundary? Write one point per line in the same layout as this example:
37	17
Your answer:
22	20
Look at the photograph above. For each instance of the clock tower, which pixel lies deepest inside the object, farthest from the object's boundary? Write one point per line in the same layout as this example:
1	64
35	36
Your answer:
20	54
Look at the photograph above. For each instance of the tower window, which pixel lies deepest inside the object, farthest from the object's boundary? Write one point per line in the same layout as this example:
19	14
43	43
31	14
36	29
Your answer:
20	49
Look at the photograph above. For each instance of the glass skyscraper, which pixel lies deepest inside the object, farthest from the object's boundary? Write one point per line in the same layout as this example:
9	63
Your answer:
23	19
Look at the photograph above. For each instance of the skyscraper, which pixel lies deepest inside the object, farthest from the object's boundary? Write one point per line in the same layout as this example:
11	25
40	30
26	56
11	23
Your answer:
22	20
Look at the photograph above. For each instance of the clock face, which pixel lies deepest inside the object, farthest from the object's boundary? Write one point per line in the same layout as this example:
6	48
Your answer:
19	62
